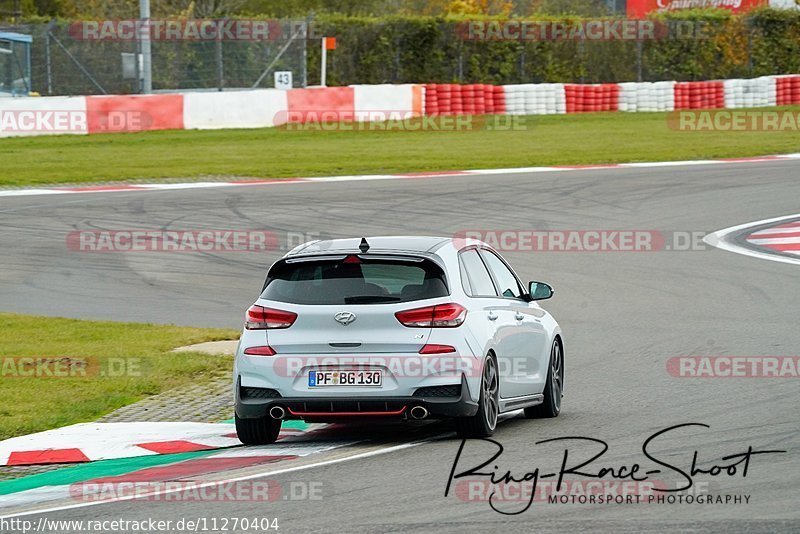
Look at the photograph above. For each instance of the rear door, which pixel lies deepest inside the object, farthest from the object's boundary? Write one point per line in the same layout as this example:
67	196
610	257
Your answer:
347	304
523	333
490	318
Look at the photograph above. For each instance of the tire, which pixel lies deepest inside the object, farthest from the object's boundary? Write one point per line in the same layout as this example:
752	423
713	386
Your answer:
484	422
554	387
262	431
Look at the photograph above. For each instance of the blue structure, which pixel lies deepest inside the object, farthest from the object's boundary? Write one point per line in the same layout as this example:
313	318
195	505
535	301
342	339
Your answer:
15	63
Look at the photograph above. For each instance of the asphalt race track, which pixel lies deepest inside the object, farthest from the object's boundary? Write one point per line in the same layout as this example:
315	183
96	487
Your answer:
624	315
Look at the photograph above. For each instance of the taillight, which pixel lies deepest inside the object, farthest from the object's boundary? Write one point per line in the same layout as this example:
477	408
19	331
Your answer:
260	351
261	318
436	349
439	316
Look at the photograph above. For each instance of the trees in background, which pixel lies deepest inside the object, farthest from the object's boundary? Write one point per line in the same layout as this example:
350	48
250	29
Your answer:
119	9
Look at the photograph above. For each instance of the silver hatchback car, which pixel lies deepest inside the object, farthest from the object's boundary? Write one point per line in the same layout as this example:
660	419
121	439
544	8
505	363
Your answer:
402	328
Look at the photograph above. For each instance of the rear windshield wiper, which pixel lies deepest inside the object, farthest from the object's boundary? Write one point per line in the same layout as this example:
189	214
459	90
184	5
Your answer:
370	299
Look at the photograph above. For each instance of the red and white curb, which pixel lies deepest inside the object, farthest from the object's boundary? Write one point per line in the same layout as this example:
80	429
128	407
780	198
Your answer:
783	238
53	494
776	239
122	188
88	442
151	482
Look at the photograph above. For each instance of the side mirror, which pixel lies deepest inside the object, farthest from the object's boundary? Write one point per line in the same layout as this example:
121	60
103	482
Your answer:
540	291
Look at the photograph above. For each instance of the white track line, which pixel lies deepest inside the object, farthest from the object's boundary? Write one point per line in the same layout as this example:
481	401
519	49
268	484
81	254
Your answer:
776	231
679	163
121	187
774	240
719	239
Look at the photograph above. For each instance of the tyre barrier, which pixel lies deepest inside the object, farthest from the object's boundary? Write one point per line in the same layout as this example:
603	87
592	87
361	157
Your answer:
535	99
588	98
758	92
473	99
647	96
699	95
787	90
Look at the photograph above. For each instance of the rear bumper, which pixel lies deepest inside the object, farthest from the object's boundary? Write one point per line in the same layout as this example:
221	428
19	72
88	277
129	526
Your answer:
252	403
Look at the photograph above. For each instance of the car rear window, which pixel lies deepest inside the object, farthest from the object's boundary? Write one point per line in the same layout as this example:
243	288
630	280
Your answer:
355	280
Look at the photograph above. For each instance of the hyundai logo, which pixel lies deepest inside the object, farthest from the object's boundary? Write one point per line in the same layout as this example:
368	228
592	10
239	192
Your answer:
345	318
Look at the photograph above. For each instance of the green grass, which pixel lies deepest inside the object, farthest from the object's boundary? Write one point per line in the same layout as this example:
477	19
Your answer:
276	152
125	362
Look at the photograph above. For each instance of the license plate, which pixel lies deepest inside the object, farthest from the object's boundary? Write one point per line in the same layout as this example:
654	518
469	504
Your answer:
344	378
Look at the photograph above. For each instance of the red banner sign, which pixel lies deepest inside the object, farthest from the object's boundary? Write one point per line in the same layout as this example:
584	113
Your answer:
641	8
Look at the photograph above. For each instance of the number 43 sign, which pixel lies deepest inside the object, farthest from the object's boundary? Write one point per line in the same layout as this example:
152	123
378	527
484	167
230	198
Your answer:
283	80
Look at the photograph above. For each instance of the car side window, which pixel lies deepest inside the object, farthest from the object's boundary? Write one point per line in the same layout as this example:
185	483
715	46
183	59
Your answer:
479	281
465	283
509	286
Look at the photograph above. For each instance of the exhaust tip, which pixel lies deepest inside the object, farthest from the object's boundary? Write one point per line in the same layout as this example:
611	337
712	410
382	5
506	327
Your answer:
277	412
419	412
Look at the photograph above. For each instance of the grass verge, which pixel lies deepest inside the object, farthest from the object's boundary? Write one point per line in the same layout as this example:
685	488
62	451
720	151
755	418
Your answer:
56	372
277	152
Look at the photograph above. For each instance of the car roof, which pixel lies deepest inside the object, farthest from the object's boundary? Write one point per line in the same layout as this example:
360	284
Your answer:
420	244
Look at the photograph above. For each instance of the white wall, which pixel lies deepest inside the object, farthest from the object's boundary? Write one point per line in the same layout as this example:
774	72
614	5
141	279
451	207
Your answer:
260	108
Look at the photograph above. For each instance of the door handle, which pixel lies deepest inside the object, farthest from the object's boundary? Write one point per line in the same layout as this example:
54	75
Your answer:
519	316
492	316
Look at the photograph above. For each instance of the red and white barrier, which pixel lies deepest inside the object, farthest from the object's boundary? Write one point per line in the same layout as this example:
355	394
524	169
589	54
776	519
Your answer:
551	99
265	108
